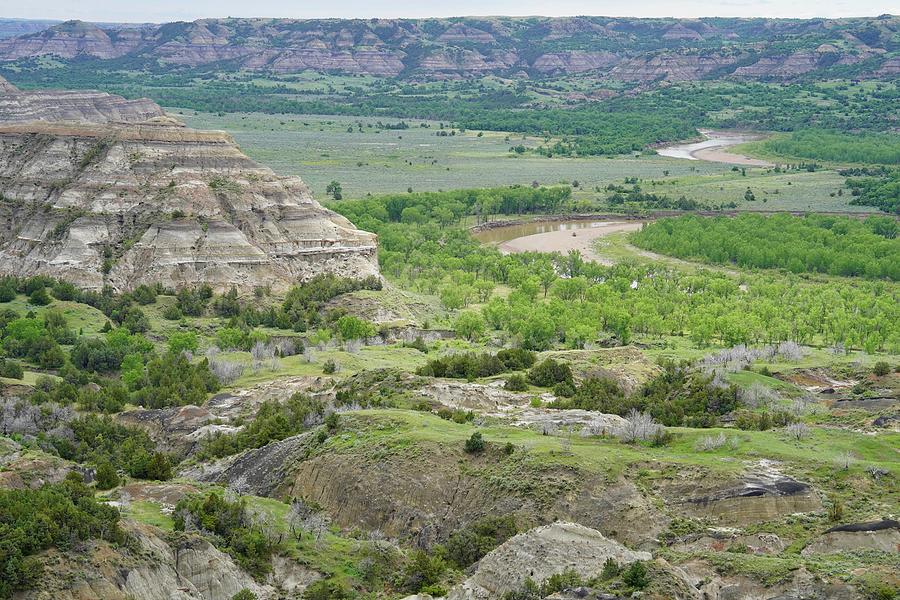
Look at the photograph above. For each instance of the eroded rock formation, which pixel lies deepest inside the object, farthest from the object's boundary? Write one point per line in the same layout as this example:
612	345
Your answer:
187	568
640	50
538	554
101	191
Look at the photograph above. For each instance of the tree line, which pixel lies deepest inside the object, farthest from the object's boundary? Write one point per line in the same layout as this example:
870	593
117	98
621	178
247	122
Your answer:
868	148
813	243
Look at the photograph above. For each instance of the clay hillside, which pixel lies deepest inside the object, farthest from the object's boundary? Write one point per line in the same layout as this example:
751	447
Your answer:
621	49
107	191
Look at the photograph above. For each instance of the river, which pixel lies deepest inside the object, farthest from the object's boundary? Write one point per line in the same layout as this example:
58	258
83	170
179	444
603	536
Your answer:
715	148
554	236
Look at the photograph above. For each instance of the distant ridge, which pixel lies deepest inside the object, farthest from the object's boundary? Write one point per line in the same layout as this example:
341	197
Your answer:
620	49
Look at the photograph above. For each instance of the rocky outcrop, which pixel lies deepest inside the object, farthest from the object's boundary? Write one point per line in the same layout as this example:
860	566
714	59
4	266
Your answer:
186	568
538	554
136	201
779	67
762	494
86	107
883	536
180	429
642	50
890	68
799	585
670	67
260	471
576	61
6	87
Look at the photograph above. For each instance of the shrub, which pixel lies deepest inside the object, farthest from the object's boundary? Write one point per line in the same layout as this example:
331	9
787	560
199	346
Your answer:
154	466
226	371
640	427
326	589
598	394
549	372
611	569
422	571
7	291
468	545
881	368
106	476
329	367
56	515
11	369
708	443
95	354
636	575
516	383
100	439
63	290
172	380
192	302
40	297
475	443
244	594
227	305
145	294
463	366
172	312
762	421
836	510
517	359
564	389
798	431
275	420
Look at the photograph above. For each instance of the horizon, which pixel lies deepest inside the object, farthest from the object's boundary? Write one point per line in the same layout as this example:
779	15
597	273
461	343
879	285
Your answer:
166	11
59	20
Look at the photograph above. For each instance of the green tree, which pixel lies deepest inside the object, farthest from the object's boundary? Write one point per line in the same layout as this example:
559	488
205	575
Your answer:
107	477
334	190
354	328
181	341
469	325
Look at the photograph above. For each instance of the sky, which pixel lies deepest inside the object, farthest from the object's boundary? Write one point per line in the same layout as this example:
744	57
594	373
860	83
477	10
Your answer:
185	10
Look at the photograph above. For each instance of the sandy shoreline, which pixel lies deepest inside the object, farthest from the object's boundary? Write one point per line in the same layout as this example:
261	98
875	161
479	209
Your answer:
563	240
715	149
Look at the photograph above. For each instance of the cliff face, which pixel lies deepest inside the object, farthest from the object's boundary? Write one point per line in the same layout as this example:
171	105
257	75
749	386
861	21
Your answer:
103	191
82	106
632	50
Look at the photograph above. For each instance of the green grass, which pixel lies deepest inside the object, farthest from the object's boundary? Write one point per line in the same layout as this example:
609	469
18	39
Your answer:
332	553
823	448
150	513
748	378
368	357
80	317
319	149
29	378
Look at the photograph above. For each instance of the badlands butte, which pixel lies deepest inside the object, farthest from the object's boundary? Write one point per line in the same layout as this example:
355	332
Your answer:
104	191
